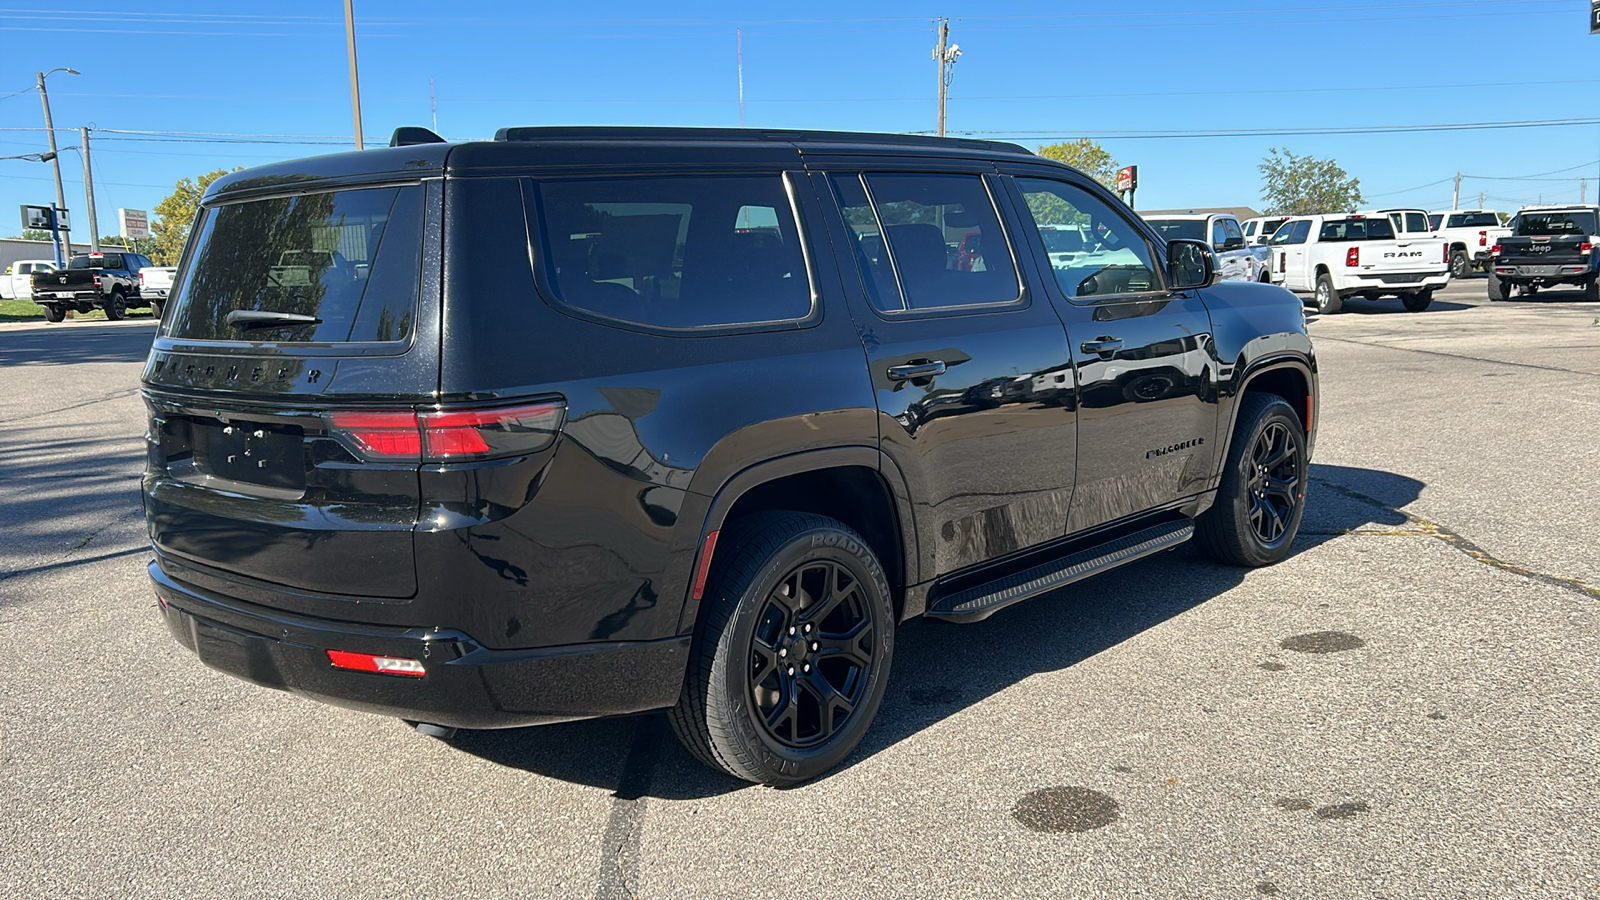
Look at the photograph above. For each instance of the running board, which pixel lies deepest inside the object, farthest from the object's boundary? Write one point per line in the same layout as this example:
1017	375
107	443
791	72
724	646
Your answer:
978	603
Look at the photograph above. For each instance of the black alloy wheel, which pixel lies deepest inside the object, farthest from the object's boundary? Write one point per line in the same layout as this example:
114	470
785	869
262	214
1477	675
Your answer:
1276	487
811	654
792	649
1259	504
116	306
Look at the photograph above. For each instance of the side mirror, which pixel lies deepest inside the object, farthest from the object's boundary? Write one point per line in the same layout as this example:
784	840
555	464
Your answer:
1233	243
1190	265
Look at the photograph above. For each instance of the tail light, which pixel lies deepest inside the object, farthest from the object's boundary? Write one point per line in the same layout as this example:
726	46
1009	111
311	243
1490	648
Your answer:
141	278
1495	250
1483	239
98	282
448	435
1352	257
1447	254
1283	262
1585	247
384	665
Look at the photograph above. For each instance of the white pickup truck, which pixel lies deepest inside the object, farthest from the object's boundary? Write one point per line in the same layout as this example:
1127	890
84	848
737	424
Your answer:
154	283
1471	233
1335	257
17	282
1236	259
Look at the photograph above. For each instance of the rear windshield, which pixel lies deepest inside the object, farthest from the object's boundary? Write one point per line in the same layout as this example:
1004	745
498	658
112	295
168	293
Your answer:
1174	229
350	259
1539	224
1473	220
108	261
1058	239
1356	230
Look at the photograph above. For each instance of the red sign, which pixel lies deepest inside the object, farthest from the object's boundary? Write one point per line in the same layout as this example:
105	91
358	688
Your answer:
1128	178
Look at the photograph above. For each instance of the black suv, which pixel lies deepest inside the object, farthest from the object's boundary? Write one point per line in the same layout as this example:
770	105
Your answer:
583	422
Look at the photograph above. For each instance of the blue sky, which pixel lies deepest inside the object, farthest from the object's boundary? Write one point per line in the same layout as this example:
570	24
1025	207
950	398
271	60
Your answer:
1033	72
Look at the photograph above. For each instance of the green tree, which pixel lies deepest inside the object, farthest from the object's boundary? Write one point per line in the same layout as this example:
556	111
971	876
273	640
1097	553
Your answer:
1304	185
175	215
32	234
1087	156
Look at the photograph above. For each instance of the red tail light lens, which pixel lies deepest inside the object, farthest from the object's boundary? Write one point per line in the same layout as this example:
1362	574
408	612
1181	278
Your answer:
1447	254
1495	250
367	662
1283	262
97	281
1585	247
449	434
1483	239
1352	257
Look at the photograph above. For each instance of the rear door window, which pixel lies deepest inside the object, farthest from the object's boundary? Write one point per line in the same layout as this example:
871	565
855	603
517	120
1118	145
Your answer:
675	251
1356	230
348	259
927	241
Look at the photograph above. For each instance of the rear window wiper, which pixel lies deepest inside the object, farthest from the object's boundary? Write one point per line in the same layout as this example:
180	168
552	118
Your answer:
246	319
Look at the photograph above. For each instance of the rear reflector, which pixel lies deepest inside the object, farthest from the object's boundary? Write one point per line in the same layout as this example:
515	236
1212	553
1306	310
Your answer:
366	662
448	434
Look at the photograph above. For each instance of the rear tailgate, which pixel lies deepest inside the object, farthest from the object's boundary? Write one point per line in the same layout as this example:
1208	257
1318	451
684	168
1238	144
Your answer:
247	476
63	284
1543	255
1405	259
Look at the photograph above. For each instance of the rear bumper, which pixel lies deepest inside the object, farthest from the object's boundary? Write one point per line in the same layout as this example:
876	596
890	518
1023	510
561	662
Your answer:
1542	272
67	297
153	293
1393	284
466	685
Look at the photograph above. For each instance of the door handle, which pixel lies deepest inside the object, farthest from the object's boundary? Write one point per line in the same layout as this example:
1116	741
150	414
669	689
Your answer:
917	369
1102	345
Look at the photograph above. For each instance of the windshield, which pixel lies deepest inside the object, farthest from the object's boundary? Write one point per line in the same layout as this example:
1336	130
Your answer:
1176	229
1553	223
1356	230
348	258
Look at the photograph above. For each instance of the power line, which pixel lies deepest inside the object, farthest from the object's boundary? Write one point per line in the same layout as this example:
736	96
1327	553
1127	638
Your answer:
1286	132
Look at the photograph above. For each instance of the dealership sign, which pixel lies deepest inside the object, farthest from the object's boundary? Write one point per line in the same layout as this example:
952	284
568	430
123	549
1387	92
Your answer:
135	223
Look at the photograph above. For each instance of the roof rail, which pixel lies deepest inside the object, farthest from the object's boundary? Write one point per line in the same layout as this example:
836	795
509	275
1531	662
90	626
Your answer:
623	133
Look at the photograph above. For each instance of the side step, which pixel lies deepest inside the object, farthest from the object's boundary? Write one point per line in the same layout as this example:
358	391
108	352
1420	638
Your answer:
977	603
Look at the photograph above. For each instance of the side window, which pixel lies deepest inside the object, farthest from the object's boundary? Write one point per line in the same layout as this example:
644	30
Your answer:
1300	231
938	233
676	251
1250	228
1416	222
1219	234
1114	257
1230	231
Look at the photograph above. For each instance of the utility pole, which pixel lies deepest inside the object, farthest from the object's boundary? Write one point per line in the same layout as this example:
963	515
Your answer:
945	55
355	81
88	194
1455	201
1480	199
55	163
1583	190
433	106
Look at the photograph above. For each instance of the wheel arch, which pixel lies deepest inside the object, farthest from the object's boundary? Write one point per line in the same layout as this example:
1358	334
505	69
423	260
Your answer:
1289	376
858	486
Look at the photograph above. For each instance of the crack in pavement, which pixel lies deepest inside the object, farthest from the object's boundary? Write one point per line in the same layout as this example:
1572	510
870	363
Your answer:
1429	528
66	558
116	396
619	847
1481	359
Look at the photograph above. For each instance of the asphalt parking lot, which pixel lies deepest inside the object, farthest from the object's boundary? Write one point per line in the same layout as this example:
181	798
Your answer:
1404	707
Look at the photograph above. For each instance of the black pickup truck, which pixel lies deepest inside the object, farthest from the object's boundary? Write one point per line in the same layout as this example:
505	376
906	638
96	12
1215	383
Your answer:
107	280
1548	245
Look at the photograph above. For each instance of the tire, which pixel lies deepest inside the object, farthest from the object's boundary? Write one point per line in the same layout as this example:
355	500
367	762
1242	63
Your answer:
1262	497
1327	299
155	309
54	312
733	713
116	306
1418	301
1266	277
1530	290
1460	265
1591	290
1498	289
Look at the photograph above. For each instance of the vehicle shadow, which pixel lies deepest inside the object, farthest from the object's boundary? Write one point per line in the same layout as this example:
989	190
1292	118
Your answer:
1388	305
940	670
67	344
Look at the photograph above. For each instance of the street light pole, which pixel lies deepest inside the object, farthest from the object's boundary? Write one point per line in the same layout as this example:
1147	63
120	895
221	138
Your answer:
355	81
55	162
